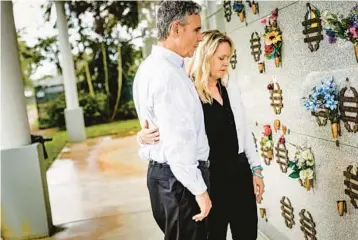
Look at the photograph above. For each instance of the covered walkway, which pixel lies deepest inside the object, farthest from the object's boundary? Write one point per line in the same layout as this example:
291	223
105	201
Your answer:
98	191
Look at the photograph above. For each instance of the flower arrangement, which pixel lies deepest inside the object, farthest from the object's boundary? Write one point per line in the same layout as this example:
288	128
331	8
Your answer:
267	143
239	8
272	38
341	27
303	167
324	99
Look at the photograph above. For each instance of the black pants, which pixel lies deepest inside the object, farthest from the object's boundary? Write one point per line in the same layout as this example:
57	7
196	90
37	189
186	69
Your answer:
173	205
233	199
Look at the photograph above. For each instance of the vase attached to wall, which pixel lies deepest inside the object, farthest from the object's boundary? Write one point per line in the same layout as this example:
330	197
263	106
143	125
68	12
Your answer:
308	184
277	61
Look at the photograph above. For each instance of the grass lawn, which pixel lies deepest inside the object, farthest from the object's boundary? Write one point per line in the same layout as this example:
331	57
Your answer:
60	138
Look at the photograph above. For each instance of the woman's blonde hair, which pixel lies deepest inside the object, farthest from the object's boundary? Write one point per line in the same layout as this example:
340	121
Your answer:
199	67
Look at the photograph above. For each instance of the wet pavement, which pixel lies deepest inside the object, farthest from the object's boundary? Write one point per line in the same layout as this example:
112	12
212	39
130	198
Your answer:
98	191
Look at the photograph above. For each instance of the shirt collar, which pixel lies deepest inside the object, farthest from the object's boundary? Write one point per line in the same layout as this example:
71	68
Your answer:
171	56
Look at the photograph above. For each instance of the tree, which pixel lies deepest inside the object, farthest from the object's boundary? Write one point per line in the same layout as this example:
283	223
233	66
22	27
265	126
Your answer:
104	50
30	59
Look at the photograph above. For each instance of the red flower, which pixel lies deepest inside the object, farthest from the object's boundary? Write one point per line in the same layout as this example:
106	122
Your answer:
270	86
282	140
275	12
264	21
268	48
267	130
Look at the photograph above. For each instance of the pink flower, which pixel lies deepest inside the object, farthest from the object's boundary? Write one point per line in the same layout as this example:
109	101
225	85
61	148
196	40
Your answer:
264	21
354	31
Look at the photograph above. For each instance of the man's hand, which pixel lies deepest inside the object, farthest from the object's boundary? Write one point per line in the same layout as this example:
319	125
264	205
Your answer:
204	203
149	136
259	187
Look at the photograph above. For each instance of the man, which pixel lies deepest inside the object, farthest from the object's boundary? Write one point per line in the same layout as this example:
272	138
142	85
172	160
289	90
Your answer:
166	97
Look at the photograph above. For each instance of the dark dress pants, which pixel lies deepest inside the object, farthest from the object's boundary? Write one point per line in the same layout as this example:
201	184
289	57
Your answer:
173	205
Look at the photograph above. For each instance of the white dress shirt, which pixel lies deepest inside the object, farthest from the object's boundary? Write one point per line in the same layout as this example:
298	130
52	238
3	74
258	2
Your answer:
165	96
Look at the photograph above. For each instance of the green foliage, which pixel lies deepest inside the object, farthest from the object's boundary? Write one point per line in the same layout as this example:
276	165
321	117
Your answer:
98	48
127	110
294	175
30	59
94	109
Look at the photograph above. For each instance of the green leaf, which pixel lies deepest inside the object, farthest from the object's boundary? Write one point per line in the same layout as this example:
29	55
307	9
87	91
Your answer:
294	175
291	164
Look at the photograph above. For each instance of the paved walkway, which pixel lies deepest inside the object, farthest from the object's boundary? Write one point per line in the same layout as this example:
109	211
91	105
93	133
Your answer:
98	191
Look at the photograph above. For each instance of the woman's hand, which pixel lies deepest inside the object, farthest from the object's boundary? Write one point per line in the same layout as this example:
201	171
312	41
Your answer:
259	186
149	136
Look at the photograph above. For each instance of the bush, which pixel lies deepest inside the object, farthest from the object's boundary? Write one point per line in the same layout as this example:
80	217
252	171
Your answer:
127	110
95	110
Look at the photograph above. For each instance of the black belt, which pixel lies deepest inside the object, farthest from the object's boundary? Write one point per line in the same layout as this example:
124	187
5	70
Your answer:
205	164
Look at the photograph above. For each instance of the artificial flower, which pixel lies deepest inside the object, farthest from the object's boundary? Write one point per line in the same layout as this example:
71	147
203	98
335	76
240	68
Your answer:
354	31
331	36
310	162
238	7
307	154
270	86
306	174
324	96
340	27
272	37
267	130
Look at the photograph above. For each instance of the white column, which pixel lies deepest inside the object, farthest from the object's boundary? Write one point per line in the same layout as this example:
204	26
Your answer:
15	130
66	58
73	114
25	205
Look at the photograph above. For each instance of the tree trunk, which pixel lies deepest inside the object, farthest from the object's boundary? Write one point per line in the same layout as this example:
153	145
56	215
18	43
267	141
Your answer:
120	81
105	67
89	79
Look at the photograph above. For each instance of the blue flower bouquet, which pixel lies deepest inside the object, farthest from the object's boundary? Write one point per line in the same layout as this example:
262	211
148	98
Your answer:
323	103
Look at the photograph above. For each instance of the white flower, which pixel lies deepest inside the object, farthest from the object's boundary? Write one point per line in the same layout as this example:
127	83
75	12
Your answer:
324	13
300	164
306	174
307	154
297	156
301	159
310	162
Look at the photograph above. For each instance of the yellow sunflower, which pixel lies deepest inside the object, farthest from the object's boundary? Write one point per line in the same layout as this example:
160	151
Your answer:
272	37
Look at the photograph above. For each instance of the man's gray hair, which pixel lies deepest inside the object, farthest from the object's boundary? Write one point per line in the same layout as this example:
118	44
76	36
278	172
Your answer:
170	11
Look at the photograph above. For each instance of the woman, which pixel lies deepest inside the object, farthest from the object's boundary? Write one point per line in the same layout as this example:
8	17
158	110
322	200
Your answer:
235	169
